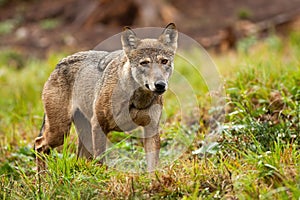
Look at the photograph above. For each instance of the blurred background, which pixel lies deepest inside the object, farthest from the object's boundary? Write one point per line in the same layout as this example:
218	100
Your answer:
36	27
256	47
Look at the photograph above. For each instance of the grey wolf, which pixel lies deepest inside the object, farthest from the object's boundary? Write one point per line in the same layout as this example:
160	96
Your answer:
103	91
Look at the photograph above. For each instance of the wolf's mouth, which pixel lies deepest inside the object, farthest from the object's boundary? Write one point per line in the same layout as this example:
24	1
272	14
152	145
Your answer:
147	86
159	92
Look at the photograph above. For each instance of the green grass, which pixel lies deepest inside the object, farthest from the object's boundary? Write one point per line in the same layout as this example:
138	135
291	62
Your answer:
257	155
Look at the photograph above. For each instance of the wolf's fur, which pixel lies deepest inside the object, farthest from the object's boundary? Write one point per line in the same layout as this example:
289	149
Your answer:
109	91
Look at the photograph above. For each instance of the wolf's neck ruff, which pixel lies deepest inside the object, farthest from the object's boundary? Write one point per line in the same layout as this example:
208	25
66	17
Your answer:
142	99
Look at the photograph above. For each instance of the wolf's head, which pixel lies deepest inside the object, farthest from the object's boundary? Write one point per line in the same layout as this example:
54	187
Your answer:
151	60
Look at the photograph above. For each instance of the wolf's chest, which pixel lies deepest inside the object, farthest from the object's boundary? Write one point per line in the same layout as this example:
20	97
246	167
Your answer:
128	118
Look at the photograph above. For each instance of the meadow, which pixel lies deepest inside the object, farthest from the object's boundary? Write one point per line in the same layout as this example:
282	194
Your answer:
256	156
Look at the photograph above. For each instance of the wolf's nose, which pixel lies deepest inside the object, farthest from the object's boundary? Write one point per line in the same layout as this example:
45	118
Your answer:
160	86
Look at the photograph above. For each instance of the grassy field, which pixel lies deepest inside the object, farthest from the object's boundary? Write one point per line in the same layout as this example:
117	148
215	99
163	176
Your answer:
257	155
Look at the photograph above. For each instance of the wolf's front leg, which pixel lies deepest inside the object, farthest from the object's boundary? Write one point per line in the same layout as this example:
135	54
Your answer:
152	147
98	139
152	137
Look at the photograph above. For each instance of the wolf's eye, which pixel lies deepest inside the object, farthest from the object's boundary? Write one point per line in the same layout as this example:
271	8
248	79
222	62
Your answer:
164	61
144	63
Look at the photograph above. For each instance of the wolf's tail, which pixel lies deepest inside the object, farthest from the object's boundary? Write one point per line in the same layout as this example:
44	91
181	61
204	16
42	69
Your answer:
42	127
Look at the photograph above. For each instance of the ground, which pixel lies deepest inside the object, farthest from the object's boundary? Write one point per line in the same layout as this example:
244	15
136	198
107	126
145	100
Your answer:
255	157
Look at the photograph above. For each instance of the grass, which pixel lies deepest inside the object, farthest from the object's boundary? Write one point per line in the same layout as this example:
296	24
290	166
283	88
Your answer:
256	156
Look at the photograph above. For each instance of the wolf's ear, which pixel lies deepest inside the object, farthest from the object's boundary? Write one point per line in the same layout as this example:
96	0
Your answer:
169	36
129	39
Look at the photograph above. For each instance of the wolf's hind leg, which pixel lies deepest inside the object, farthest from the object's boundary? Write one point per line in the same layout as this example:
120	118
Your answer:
83	151
83	129
57	122
52	136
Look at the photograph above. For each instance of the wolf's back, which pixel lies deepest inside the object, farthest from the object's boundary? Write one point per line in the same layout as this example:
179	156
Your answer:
59	87
68	67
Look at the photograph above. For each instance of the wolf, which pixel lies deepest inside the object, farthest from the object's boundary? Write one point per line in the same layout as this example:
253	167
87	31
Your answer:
100	91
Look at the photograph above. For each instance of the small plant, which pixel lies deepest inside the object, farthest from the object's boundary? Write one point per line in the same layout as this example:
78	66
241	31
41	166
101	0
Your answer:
244	13
12	59
49	24
245	44
7	26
